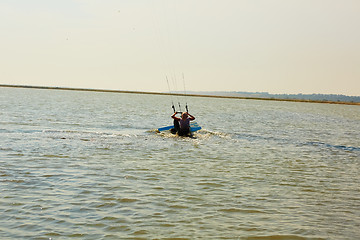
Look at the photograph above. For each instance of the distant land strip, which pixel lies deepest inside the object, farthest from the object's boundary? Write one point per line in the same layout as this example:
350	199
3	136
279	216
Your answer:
177	94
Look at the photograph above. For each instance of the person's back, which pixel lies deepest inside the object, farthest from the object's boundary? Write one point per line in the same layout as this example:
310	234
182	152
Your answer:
182	125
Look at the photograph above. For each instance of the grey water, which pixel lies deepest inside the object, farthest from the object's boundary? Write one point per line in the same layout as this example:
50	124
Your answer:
90	165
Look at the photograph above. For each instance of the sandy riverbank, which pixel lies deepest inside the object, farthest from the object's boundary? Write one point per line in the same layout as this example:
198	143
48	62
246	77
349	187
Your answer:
176	94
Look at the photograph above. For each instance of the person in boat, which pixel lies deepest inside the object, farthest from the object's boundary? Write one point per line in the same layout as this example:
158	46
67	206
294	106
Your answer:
182	125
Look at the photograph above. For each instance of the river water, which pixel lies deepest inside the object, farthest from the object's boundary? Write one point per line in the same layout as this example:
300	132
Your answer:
90	165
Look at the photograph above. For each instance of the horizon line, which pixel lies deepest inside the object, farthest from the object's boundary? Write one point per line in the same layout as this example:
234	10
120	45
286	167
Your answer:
174	94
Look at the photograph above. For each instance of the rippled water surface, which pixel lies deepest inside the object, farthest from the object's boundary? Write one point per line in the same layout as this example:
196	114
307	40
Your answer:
90	165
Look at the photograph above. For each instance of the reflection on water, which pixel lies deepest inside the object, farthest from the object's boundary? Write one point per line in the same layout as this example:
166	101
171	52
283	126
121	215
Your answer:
91	166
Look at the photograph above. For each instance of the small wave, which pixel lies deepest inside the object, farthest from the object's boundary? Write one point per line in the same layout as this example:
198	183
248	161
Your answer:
74	132
127	200
55	156
177	206
141	232
109	218
152	131
340	147
6	149
27	131
105	205
13	180
52	234
120	228
202	134
237	210
210	184
281	237
87	136
215	133
249	137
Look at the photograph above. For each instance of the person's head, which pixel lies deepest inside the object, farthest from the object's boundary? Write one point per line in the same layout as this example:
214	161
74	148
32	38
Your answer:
184	115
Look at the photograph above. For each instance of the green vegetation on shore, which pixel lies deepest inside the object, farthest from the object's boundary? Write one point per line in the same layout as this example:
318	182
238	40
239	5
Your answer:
288	98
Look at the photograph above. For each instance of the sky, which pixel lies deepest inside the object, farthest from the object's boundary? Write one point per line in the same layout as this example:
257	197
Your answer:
275	46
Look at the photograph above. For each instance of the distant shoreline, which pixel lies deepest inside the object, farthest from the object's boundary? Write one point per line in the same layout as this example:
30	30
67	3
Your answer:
174	94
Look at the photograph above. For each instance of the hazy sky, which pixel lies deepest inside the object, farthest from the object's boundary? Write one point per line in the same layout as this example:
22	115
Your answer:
276	46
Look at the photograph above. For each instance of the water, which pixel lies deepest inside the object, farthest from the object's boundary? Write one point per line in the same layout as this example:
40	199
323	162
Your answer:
89	165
